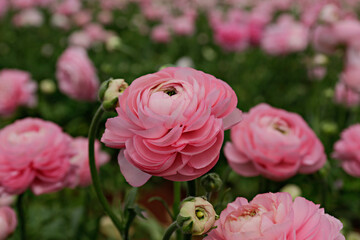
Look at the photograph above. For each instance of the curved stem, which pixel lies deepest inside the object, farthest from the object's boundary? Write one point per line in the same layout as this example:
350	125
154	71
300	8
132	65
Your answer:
176	204
94	174
21	216
170	230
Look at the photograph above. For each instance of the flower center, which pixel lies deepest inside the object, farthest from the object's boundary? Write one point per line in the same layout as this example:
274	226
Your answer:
171	91
281	128
199	214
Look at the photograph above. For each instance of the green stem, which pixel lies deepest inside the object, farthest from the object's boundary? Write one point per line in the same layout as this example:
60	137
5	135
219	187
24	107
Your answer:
21	216
131	218
94	174
176	204
191	188
171	229
177	196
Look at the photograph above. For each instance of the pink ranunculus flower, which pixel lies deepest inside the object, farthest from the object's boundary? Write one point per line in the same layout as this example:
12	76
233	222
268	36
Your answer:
81	160
351	77
83	17
232	36
8	222
4	6
5	198
183	26
346	30
28	17
274	143
161	34
171	124
285	36
96	32
346	96
312	223
77	75
33	153
267	217
16	89
80	39
68	7
324	39
347	149
274	216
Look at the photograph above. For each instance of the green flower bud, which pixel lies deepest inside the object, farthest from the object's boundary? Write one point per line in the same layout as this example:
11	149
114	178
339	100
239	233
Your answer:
109	92
211	182
197	216
294	190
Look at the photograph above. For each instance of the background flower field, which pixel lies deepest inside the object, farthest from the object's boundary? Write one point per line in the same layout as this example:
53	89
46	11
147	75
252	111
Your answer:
282	81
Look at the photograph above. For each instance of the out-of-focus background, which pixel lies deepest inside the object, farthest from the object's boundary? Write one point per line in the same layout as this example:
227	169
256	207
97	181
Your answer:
301	56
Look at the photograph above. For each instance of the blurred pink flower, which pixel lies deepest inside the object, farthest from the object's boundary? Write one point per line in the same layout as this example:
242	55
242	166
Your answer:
183	26
96	32
160	34
82	17
28	17
80	39
4	6
81	161
346	30
345	95
16	89
274	216
347	149
68	7
171	124
60	21
105	17
77	75
5	198
33	153
22	4
274	143
232	36
351	77
324	39
8	222
285	36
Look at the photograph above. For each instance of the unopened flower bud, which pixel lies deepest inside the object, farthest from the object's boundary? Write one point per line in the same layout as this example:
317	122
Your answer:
197	216
211	182
112	43
109	92
293	189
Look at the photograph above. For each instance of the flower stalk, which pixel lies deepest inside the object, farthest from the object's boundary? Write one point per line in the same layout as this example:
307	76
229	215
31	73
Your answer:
94	174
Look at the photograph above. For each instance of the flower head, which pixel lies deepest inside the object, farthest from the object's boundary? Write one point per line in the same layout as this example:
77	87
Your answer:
171	124
197	216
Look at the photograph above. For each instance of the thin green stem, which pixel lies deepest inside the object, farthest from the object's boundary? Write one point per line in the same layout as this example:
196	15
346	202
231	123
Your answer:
94	174
191	188
171	229
177	196
21	216
176	204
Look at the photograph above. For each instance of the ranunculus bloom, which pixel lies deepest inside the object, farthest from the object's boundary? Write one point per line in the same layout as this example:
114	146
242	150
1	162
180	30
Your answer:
273	216
29	17
76	74
4	6
33	153
5	198
160	34
324	39
285	36
345	95
351	77
8	222
16	89
347	149
171	124
183	25
68	7
81	160
274	143
232	36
